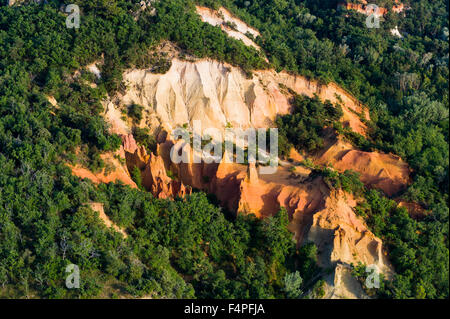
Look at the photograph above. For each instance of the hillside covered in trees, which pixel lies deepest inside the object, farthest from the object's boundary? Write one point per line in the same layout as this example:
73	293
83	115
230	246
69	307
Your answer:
190	247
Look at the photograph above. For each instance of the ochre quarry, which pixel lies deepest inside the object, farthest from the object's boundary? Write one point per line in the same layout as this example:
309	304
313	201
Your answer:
219	95
386	172
317	214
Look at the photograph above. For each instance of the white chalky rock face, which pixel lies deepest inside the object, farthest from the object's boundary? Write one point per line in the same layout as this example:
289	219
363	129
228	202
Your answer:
209	91
217	95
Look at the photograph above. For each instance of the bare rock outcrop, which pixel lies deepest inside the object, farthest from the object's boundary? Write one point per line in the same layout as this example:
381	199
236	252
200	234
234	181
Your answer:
387	172
155	179
99	208
153	171
317	214
415	210
114	172
343	239
219	95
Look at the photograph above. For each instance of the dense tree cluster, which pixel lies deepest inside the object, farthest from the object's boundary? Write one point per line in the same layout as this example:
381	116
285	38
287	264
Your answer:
303	128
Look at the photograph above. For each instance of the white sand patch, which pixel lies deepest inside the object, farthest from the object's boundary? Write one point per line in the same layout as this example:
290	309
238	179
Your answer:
93	68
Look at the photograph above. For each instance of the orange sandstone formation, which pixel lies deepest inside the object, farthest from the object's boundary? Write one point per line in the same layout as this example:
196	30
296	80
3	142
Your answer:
387	172
118	173
364	8
317	214
383	171
153	171
155	180
294	155
218	95
343	236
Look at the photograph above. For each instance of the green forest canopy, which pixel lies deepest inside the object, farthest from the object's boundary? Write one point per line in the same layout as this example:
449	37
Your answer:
187	248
